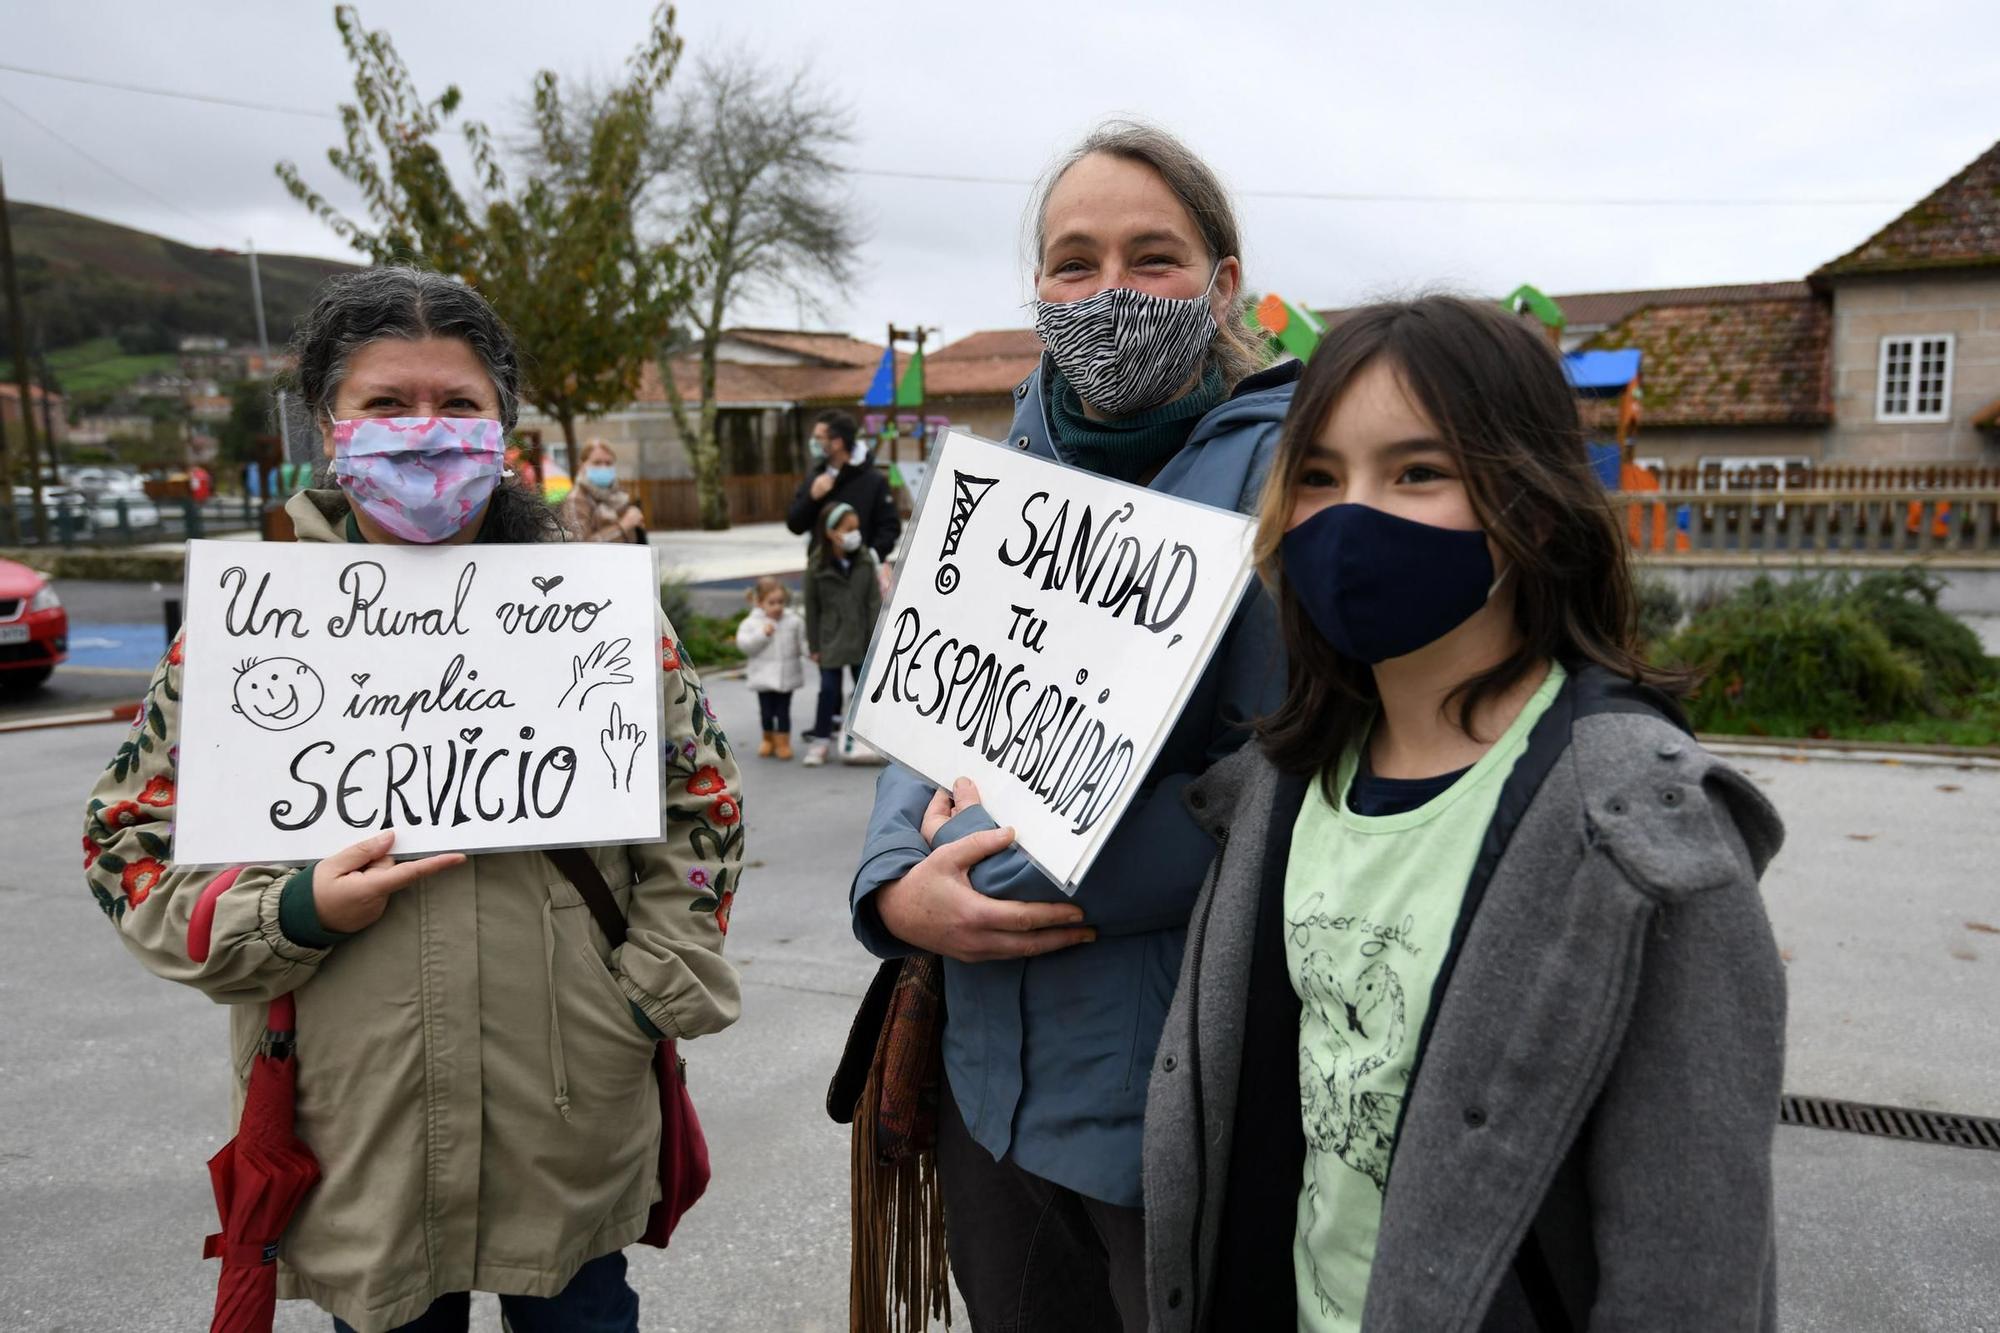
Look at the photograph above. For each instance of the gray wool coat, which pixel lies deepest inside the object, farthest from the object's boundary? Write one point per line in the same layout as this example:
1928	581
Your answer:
1610	1030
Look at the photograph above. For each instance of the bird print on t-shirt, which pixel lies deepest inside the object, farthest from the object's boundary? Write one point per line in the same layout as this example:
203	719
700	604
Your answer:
1363	1022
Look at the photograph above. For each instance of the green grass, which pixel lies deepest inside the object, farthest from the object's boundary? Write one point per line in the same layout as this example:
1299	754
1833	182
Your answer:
100	367
1977	723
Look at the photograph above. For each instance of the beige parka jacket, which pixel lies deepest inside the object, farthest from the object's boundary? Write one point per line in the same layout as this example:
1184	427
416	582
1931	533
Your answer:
473	1073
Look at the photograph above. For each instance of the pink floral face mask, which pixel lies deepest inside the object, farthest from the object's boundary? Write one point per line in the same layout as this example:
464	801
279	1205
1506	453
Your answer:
421	478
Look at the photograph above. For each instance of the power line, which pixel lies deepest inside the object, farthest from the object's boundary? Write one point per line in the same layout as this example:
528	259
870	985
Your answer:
170	92
1357	197
954	178
109	170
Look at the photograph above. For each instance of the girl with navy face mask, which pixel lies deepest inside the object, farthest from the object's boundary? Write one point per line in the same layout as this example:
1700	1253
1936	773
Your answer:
1481	1022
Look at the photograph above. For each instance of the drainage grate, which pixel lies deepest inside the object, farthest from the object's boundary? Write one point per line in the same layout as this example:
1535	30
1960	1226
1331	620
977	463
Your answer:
1891	1122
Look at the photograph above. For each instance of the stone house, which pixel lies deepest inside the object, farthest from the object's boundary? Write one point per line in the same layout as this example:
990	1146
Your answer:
1888	354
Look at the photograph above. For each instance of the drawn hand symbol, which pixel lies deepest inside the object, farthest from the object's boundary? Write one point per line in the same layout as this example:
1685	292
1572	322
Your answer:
606	664
621	742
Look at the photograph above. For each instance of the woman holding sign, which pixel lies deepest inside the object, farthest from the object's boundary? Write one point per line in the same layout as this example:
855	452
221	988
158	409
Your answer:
475	1062
1485	1024
1053	1007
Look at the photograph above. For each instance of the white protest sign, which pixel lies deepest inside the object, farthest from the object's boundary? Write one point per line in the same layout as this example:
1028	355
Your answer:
1046	629
468	697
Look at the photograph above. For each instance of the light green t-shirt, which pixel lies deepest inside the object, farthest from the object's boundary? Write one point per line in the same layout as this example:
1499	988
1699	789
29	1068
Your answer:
1370	904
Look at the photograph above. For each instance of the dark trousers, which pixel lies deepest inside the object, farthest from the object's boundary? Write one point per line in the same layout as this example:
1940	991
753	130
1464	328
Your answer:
774	707
826	721
597	1300
1030	1256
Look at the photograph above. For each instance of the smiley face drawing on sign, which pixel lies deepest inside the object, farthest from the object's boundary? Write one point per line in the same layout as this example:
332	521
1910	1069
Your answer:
278	693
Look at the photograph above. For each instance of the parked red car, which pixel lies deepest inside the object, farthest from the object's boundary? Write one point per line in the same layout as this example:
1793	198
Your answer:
34	628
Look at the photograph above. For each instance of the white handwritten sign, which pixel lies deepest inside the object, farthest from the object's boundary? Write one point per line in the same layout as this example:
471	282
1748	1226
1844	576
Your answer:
468	697
1046	629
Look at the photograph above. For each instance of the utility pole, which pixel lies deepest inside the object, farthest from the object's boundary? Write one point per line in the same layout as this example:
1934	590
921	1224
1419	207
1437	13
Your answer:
916	333
264	346
17	339
889	429
48	402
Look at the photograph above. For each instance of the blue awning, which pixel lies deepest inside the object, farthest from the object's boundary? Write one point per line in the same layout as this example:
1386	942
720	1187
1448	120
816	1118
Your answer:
1602	373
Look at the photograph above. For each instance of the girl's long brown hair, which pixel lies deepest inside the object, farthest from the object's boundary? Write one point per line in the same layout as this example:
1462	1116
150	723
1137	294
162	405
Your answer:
1497	395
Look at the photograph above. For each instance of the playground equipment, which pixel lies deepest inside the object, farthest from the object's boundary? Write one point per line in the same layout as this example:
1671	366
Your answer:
1530	300
1296	330
884	391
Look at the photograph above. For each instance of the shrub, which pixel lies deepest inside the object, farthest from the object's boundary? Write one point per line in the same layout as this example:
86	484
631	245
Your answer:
710	641
1904	604
1798	658
1660	611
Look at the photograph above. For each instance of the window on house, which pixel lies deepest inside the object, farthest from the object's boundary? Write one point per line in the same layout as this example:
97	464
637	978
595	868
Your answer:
1914	383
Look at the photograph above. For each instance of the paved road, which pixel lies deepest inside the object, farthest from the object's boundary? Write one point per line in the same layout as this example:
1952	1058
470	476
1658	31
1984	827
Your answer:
113	1089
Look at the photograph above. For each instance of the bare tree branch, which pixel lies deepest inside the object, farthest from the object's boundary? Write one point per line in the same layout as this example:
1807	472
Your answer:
748	165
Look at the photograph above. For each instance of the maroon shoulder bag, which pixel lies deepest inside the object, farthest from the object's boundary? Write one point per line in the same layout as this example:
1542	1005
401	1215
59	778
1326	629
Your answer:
683	1150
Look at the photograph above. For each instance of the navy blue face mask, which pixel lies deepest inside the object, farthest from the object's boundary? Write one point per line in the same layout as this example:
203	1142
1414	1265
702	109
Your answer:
1377	586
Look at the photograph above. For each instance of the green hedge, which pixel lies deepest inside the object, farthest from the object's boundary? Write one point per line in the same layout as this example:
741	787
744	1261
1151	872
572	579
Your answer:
1874	658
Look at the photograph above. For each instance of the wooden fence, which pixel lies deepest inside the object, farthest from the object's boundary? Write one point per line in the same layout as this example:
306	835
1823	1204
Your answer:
1903	522
1828	477
671	505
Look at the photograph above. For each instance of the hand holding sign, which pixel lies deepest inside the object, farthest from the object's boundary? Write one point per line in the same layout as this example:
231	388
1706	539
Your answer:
946	806
351	888
934	907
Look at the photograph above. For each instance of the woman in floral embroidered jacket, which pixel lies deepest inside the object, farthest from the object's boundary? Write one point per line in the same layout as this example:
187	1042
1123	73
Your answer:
475	1063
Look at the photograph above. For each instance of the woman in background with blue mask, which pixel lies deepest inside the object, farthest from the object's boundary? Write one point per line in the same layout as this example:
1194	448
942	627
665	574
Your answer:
598	509
1053	1006
475	1062
1486	1025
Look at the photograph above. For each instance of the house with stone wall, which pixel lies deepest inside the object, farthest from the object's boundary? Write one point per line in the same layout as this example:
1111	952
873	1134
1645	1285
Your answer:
1888	354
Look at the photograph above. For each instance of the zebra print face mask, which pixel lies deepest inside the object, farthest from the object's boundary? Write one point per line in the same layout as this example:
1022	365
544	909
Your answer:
1124	351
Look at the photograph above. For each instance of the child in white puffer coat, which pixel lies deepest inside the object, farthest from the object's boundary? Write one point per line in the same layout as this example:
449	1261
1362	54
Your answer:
773	638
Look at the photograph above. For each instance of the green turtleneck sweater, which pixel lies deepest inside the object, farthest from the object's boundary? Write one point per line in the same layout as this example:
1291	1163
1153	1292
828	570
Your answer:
1127	448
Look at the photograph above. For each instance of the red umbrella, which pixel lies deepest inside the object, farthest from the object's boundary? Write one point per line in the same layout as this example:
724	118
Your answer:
259	1177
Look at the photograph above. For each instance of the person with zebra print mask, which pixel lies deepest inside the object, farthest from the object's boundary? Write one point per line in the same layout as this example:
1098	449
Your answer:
1054	1005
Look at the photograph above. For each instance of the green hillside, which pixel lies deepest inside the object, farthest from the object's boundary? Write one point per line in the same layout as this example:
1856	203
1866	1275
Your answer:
84	280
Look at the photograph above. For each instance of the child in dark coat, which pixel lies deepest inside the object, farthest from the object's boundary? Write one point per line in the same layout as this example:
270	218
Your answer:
843	595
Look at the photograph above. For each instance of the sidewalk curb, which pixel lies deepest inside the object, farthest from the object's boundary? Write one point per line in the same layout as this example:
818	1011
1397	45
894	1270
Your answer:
1798	749
121	712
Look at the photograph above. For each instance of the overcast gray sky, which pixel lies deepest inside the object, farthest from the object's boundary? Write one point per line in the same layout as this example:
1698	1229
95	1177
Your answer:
1697	100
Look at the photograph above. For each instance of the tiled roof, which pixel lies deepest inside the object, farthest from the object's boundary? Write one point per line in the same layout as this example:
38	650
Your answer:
741	385
1727	363
979	365
1593	310
990	343
735	384
833	349
985	364
1957	225
1600	309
